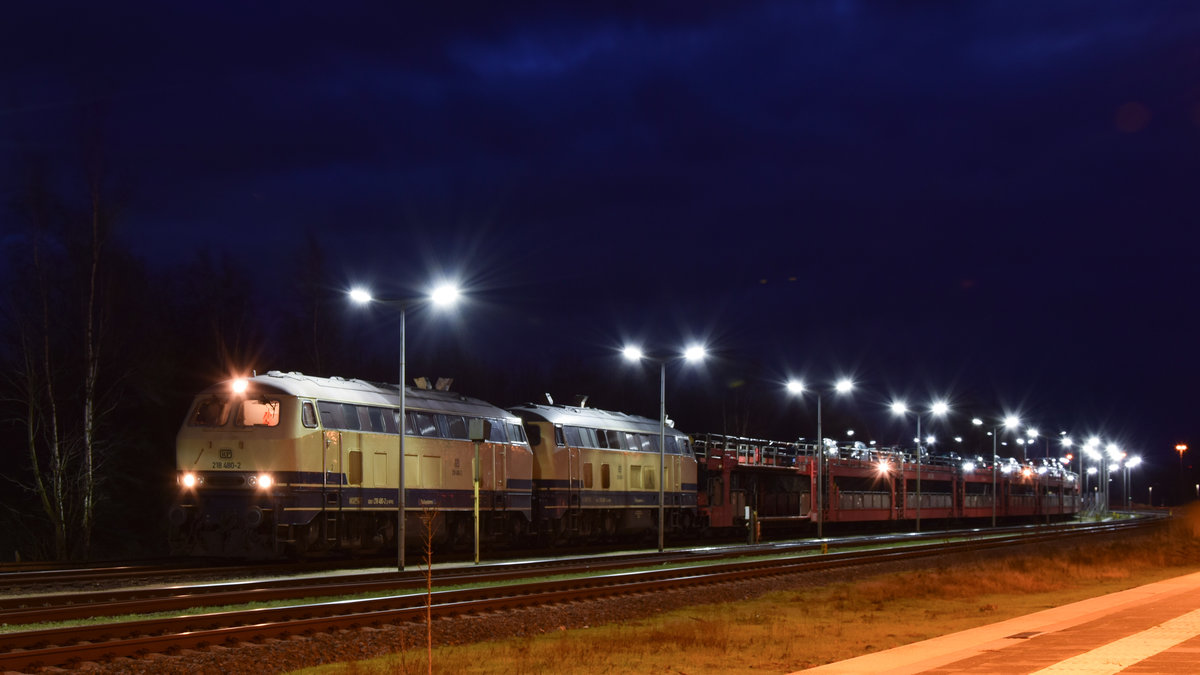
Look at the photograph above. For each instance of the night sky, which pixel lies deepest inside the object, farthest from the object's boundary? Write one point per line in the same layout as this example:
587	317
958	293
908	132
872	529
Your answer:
991	201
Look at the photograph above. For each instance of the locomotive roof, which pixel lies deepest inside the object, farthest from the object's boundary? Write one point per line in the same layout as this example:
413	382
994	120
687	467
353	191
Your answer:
589	417
372	393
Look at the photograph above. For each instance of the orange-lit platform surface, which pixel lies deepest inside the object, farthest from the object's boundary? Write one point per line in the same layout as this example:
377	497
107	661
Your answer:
1149	629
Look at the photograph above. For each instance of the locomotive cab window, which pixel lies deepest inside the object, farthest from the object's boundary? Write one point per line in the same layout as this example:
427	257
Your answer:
516	433
499	432
258	413
210	412
308	415
573	439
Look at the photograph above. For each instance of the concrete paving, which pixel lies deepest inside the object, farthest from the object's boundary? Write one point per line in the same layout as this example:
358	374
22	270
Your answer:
1148	629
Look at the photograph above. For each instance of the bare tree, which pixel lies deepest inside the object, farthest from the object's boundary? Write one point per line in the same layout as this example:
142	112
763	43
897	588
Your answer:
58	325
100	219
428	519
34	385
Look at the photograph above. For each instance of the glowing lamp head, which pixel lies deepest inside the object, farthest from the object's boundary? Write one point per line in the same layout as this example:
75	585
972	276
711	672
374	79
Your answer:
444	295
976	421
1011	422
632	353
882	467
694	353
795	386
240	385
843	385
188	480
360	295
940	408
265	481
899	408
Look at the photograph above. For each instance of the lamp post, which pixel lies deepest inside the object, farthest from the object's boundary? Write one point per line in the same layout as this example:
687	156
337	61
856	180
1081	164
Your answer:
1129	464
444	295
1091	450
1114	455
1010	422
1181	448
693	353
938	409
843	386
1066	442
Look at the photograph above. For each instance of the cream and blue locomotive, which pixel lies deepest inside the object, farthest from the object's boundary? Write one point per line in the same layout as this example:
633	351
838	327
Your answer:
595	472
285	463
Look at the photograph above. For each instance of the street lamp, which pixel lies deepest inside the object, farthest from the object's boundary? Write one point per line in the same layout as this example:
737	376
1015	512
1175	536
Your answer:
1066	442
1010	422
1114	455
1129	464
442	295
1181	448
691	354
938	409
1091	451
842	386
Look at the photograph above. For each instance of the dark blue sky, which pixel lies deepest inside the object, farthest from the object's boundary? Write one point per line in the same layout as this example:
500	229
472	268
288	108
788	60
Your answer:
991	199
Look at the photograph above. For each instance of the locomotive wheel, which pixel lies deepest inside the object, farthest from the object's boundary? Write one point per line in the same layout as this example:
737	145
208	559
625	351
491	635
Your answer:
685	522
457	536
610	524
516	529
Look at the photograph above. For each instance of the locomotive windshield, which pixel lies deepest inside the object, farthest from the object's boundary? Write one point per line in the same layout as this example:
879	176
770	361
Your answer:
258	413
212	411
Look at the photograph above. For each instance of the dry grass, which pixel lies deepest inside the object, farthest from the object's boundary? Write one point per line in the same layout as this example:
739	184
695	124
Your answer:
792	629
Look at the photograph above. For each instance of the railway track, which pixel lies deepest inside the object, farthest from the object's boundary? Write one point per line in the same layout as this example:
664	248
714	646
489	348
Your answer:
85	583
62	647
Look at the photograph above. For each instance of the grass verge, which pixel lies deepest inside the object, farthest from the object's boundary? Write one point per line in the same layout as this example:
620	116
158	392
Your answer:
788	630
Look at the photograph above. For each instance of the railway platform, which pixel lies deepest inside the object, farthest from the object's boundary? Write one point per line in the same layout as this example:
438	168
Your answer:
1149	629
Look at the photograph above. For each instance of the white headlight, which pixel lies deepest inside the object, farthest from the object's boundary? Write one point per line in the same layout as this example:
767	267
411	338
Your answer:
188	480
264	480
